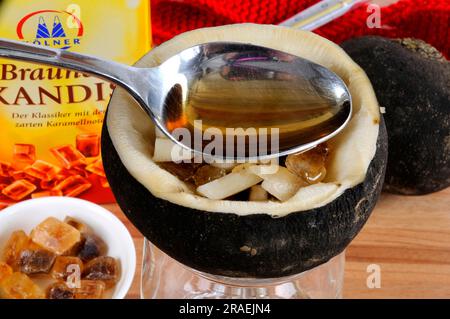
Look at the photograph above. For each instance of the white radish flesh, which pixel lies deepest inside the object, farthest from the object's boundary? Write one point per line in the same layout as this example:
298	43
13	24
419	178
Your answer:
229	185
278	181
168	151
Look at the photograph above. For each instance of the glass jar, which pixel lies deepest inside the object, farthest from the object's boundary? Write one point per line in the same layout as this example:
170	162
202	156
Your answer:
162	277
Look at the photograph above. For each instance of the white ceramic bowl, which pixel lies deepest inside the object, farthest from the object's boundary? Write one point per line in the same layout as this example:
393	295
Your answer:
28	214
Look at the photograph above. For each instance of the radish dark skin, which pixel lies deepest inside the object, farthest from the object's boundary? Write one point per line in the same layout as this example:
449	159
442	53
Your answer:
412	81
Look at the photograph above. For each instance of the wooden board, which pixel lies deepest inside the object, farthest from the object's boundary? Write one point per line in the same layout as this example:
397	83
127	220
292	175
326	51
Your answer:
408	237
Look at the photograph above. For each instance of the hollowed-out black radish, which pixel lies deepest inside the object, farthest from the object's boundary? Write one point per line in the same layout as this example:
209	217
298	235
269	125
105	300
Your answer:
260	238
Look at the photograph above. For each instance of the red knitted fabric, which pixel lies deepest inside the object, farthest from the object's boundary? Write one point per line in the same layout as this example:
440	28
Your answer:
428	20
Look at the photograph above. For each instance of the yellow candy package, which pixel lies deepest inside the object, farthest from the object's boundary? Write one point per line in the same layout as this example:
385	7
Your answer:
51	118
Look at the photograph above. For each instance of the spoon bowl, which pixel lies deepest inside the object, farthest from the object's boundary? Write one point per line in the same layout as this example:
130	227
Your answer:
268	103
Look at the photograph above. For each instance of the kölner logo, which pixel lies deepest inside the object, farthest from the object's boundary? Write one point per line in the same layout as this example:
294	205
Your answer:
57	29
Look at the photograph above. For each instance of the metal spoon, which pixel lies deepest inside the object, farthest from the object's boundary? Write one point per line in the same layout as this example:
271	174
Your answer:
225	85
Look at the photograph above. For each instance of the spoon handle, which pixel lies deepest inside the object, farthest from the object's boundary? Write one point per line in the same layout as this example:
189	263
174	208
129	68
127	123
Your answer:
320	14
117	73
